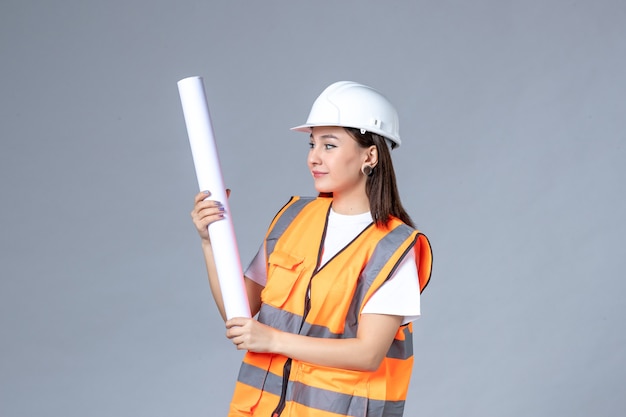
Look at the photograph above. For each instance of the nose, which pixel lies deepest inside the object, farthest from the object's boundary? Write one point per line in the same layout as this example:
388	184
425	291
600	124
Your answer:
313	157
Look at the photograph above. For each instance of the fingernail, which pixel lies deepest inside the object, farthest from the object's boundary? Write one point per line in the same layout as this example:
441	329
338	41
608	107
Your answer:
206	192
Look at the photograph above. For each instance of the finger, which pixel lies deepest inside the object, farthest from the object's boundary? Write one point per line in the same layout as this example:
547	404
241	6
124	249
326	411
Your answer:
201	196
232	334
206	217
236	340
208	204
207	208
235	322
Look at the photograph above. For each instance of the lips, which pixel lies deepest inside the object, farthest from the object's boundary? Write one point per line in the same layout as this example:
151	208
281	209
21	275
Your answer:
317	174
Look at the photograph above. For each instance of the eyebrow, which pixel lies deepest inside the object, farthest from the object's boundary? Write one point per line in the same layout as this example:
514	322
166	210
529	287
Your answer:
327	136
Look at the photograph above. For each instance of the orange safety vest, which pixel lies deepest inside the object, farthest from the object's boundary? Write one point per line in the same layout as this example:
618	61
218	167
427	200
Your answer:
301	297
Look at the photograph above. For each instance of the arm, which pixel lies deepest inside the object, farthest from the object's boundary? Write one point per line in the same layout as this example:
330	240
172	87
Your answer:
203	214
362	353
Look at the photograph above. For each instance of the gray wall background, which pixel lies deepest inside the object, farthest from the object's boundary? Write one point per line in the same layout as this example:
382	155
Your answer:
513	163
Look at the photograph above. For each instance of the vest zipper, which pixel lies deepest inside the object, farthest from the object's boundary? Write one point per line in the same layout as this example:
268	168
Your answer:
287	367
283	393
307	307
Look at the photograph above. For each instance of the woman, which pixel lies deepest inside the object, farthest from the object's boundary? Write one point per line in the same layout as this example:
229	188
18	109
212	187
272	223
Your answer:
337	281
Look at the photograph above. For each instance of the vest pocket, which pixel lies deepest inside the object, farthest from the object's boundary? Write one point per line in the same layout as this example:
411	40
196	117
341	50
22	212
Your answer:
251	384
333	390
284	271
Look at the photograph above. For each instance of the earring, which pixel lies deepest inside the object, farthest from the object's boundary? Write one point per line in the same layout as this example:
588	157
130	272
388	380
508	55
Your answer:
367	170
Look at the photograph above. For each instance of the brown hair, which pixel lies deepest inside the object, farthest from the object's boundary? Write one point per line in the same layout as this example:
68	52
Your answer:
381	187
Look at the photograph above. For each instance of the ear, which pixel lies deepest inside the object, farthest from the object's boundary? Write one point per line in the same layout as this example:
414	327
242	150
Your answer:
371	156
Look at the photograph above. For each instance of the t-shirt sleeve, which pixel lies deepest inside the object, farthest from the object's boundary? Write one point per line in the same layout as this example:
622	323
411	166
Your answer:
400	295
257	270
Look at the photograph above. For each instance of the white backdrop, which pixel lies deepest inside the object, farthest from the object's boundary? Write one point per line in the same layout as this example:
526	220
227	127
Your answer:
513	163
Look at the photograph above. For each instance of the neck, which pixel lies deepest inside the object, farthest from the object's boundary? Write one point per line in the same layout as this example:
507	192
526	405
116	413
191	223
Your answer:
350	204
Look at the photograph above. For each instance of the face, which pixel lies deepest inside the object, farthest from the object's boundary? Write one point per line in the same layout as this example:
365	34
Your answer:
335	160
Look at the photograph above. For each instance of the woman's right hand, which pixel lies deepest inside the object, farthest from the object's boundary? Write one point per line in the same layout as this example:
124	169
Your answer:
206	212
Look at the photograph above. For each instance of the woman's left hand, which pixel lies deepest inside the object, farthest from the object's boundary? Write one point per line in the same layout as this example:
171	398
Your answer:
249	334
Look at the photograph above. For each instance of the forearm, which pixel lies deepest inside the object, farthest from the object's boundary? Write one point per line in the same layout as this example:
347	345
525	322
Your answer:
353	354
362	353
214	283
253	289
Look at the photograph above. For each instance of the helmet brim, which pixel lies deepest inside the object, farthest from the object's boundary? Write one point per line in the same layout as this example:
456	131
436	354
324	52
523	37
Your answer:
303	128
306	128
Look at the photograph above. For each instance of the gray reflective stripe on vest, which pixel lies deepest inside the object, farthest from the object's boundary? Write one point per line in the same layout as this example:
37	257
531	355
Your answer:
289	322
387	246
283	223
279	319
402	349
344	404
319	398
260	379
382	253
316	330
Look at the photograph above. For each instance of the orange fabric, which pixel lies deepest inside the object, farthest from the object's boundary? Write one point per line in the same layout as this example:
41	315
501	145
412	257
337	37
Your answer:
292	272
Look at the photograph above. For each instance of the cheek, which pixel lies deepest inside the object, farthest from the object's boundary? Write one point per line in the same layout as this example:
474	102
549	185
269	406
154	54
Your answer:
346	171
351	165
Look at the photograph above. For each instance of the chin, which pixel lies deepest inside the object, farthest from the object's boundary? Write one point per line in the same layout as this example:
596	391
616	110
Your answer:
323	190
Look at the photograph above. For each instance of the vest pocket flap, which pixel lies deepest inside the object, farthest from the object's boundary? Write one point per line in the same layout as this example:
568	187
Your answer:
284	272
284	260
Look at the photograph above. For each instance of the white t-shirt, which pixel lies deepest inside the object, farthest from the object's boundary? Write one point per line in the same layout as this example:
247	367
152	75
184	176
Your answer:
399	296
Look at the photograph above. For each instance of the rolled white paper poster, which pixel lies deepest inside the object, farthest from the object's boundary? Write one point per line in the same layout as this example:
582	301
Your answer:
209	173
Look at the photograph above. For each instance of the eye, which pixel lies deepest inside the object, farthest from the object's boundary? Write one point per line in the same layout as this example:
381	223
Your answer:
329	146
311	145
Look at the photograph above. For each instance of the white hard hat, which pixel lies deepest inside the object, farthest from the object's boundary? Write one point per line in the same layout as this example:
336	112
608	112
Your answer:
350	104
